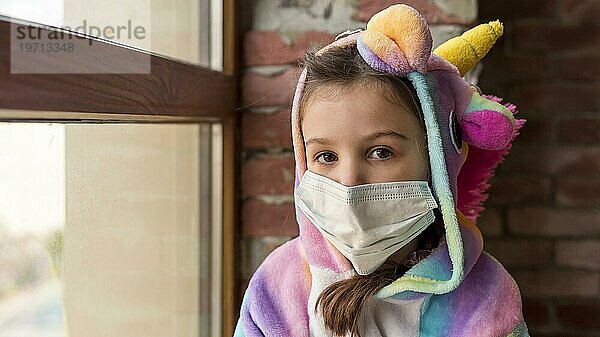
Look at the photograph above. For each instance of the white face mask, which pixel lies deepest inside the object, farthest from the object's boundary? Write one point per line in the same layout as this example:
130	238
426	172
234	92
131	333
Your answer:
366	223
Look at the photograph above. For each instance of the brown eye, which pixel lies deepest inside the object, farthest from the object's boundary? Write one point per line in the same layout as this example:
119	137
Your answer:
381	153
326	157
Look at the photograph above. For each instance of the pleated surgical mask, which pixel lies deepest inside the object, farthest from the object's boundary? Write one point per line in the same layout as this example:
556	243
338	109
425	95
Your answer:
366	223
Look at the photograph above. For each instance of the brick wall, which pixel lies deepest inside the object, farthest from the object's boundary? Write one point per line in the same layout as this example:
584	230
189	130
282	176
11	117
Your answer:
535	194
545	198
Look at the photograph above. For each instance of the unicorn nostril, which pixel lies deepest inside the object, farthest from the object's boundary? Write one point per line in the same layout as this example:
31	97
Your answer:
487	129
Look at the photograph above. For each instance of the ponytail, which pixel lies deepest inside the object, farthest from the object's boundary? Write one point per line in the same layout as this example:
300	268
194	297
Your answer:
341	303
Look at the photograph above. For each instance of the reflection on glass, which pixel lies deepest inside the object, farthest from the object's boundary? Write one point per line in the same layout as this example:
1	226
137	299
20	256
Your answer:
103	230
189	30
32	217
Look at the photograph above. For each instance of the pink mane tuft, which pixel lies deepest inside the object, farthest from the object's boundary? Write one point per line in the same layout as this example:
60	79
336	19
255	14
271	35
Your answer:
479	168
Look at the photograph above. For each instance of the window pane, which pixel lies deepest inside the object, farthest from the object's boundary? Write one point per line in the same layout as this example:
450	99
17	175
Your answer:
32	216
105	229
189	30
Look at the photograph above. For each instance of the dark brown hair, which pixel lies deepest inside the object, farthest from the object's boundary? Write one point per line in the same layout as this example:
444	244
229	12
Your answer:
343	68
337	70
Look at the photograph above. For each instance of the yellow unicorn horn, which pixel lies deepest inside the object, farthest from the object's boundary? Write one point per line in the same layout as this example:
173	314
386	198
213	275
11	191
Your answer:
466	50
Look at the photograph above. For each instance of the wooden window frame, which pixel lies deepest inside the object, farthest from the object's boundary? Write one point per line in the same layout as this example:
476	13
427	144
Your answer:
173	92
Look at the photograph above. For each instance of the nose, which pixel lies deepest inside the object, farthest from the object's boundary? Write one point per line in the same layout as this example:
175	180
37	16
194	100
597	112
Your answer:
351	174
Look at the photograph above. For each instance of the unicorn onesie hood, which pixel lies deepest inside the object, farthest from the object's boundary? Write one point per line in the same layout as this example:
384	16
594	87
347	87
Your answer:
459	289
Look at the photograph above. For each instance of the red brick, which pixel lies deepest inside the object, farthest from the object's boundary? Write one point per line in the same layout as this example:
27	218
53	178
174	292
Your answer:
508	69
553	222
557	98
563	333
259	90
427	8
515	9
576	162
242	285
256	249
545	36
562	161
268	175
580	315
578	191
536	312
580	253
579	130
536	130
520	252
579	11
490	222
557	283
577	67
264	219
518	189
267	47
261	130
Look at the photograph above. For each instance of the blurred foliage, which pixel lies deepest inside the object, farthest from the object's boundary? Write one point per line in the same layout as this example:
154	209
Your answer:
55	248
28	260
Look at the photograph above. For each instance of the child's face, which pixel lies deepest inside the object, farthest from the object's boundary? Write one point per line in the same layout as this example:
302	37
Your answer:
358	137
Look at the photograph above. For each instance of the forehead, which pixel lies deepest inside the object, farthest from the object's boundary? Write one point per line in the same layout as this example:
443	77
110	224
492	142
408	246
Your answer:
355	111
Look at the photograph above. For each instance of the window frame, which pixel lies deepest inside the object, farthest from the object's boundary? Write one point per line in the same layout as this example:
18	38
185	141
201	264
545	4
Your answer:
195	94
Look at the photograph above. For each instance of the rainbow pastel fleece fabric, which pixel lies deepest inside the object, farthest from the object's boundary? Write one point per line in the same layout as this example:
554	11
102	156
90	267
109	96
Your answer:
458	290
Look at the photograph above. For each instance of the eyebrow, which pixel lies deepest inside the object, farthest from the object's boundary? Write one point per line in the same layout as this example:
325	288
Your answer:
385	133
322	141
371	137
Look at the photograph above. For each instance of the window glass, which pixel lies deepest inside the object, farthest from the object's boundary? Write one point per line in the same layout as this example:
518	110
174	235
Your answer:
187	30
107	229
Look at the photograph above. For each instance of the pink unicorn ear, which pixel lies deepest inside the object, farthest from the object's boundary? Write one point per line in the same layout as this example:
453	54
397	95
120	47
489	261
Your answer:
487	124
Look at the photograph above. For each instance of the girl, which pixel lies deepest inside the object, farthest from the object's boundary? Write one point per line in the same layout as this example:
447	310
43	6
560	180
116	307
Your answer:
393	149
